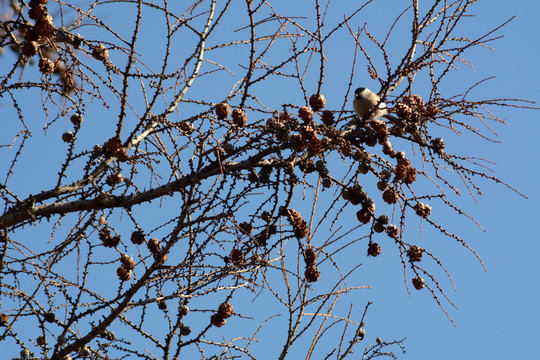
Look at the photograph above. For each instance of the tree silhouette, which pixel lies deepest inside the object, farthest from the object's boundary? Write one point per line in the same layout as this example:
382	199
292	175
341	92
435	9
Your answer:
220	173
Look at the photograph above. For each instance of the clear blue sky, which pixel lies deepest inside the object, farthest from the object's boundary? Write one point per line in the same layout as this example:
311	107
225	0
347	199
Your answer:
498	312
498	316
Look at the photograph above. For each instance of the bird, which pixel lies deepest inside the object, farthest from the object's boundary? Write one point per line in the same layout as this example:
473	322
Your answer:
368	105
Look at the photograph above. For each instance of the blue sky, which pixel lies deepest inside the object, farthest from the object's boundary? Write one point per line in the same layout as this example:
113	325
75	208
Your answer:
498	312
498	316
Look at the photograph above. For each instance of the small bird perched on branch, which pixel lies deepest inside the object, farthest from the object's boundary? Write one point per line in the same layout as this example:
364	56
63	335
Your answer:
368	105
